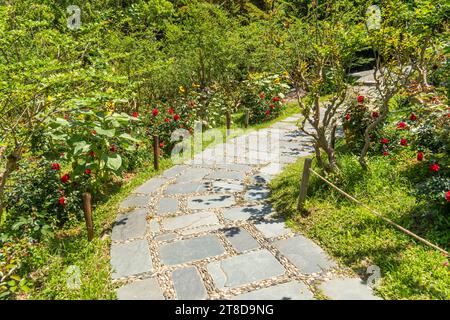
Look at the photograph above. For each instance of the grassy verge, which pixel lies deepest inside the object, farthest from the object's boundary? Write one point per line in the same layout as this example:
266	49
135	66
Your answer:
358	239
52	257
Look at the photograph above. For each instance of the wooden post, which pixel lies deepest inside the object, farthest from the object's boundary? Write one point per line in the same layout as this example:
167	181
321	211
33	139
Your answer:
247	118
228	121
156	152
87	208
304	186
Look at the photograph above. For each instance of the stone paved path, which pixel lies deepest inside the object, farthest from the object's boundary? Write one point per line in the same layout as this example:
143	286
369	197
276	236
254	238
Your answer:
205	230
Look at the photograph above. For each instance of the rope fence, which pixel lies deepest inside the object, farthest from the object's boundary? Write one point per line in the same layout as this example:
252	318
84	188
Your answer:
304	189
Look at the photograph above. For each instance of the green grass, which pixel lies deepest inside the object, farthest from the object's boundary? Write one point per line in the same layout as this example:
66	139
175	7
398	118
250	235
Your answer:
52	257
357	239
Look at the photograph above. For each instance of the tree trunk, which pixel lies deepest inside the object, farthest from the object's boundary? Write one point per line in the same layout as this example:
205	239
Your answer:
11	165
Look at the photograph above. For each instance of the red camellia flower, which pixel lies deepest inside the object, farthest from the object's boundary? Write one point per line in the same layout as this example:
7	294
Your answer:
171	111
56	166
276	99
272	106
167	120
62	155
135	114
113	148
262	95
403	142
161	145
66	117
447	195
434	167
413	117
401	125
360	99
375	114
92	154
65	178
176	117
88	171
420	156
267	112
385	153
93	132
347	117
384	140
155	112
62	201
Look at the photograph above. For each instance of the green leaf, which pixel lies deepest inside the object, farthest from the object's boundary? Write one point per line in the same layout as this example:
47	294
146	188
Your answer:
81	147
105	132
129	137
114	162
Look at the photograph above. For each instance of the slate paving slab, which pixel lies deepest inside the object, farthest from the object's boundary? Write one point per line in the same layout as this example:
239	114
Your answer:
227	187
130	258
147	289
245	213
293	290
193	174
135	201
150	186
244	269
167	206
226	175
129	226
305	254
211	201
235	167
272	228
241	240
272	169
257	193
347	289
188	187
188	284
174	171
260	179
190	250
191	220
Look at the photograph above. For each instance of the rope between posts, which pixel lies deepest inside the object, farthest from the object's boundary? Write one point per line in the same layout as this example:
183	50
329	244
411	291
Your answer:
381	216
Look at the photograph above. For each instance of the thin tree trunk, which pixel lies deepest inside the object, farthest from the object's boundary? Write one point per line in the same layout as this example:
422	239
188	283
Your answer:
11	165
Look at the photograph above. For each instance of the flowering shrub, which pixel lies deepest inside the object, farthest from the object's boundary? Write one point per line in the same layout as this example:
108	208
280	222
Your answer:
265	97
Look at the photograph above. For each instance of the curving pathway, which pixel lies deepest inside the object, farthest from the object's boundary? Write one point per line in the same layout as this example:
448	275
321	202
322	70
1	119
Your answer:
205	230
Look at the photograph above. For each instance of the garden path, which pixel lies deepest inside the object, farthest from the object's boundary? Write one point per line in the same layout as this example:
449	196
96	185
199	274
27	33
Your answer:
204	229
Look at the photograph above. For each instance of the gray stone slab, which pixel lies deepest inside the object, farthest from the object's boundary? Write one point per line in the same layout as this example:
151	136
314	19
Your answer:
186	232
154	226
272	228
245	213
235	167
191	220
227	187
150	186
241	240
272	169
135	201
130	258
129	226
293	290
257	193
147	289
166	237
193	174
305	254
226	175
244	269
167	206
211	201
190	250
261	179
347	289
188	284
174	171
188	187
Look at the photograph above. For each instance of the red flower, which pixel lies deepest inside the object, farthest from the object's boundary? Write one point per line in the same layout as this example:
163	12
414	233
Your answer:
420	156
276	99
375	114
65	178
403	142
93	132
272	106
167	120
347	117
155	112
176	117
161	145
171	111
385	153
267	112
360	99
401	125
262	95
88	171
113	148
62	155
434	167
92	154
413	117
135	114
66	117
56	166
62	201
384	140
447	195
